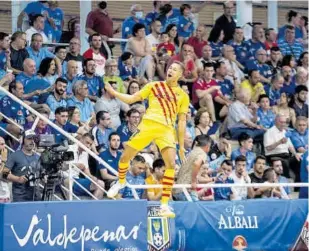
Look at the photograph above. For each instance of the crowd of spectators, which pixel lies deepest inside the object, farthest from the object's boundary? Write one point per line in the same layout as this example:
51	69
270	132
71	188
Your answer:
249	97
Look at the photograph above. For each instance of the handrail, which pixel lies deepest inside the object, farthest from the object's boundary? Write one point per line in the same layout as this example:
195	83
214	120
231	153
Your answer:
66	134
12	121
225	185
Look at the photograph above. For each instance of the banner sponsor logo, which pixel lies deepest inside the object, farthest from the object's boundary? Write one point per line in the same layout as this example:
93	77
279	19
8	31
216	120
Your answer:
235	218
239	243
43	235
158	230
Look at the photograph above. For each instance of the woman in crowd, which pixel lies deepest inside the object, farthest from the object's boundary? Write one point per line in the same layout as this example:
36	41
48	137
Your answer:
303	60
47	70
289	60
283	108
171	30
204	125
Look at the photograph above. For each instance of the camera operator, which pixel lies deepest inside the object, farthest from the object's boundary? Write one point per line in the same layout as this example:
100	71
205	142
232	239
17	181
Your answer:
81	159
24	168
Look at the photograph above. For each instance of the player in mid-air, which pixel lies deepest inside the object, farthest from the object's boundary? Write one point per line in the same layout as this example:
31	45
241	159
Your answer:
167	103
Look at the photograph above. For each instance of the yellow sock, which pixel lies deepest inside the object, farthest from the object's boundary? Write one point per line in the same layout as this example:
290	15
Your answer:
122	172
167	182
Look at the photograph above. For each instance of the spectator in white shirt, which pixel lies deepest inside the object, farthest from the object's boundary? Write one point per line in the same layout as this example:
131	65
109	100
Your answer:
80	161
277	144
153	38
37	27
240	176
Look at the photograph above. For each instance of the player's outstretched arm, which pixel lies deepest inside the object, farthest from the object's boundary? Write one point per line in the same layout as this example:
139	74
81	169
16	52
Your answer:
126	98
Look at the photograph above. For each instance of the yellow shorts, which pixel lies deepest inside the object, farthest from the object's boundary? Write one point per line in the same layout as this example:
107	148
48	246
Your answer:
148	131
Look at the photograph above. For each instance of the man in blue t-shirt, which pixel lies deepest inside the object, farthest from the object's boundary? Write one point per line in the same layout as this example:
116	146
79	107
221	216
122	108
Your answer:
61	120
55	21
12	109
126	130
256	42
135	176
223	177
32	9
299	136
289	84
95	83
111	156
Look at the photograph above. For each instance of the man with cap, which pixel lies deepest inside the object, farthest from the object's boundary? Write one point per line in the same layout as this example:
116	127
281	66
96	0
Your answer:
24	167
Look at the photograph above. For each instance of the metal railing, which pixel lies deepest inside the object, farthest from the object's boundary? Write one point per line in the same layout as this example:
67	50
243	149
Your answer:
184	187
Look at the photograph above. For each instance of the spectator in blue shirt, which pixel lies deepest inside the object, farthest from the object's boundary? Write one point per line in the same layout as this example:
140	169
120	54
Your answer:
293	19
127	129
61	120
55	21
12	109
245	149
71	76
289	82
273	90
32	9
299	137
28	74
185	24
81	101
215	42
276	164
153	15
135	176
102	130
265	116
256	42
57	98
111	156
95	83
127	71
288	45
304	168
260	65
36	52
4	51
223	177
238	43
129	22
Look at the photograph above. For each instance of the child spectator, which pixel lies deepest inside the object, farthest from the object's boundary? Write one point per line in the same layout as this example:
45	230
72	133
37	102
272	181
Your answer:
203	178
126	68
166	44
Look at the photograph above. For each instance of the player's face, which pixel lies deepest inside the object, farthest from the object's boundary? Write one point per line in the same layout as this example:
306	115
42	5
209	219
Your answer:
115	142
174	72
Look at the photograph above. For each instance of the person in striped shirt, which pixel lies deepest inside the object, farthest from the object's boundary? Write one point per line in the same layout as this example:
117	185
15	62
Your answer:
288	45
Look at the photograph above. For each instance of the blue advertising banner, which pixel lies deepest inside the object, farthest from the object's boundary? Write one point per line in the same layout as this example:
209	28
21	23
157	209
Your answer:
262	225
79	226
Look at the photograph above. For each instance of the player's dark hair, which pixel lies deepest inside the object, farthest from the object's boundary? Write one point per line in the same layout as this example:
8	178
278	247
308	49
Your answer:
301	88
275	48
262	96
60	110
62	80
158	163
113	134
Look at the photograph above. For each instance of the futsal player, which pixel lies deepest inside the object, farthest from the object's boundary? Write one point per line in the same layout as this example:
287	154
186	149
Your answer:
167	103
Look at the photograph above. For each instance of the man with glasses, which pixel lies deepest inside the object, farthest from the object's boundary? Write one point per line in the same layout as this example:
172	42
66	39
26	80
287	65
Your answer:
260	65
81	101
126	130
226	22
102	130
74	54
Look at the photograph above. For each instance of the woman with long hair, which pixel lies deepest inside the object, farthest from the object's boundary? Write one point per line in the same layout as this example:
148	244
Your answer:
171	30
283	108
47	70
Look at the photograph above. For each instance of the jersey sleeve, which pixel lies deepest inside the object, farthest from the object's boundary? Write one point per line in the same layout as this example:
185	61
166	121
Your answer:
146	90
184	106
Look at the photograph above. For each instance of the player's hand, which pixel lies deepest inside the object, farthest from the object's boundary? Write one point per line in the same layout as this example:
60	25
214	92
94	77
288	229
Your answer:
182	155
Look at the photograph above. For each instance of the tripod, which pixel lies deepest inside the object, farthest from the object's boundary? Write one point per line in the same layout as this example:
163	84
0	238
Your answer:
53	181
